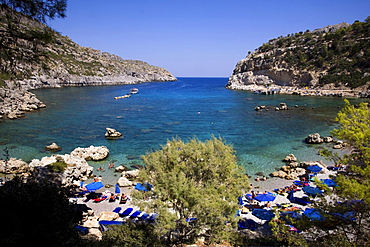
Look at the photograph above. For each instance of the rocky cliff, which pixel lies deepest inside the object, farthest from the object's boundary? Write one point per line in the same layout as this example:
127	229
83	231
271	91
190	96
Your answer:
33	56
333	57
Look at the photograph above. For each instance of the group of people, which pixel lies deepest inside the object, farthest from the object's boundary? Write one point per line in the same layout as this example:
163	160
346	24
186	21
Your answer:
111	165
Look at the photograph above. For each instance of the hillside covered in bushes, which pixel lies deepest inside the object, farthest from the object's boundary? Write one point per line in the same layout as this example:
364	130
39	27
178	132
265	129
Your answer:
338	55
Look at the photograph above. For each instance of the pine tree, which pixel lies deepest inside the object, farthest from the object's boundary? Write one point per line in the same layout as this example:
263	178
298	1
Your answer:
196	186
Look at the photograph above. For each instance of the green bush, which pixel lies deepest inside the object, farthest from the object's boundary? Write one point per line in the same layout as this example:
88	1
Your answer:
58	166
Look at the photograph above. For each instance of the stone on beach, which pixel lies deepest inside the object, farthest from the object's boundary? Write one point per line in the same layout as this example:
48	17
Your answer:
124	182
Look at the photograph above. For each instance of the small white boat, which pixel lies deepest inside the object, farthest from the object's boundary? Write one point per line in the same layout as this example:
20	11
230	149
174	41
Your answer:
134	90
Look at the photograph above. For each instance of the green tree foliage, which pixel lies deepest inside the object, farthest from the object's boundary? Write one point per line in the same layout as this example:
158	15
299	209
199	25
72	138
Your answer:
131	234
354	128
21	41
347	213
36	214
39	9
196	186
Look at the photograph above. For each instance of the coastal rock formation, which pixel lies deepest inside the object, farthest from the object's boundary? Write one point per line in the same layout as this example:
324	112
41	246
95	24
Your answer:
13	166
49	59
314	139
290	158
309	63
77	168
91	153
16	101
120	169
53	147
131	174
112	133
293	170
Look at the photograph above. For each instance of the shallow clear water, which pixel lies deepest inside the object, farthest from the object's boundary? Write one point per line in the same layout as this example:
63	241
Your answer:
190	107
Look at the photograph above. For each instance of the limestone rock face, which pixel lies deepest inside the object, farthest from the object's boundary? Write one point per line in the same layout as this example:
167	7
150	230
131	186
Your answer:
16	101
91	153
112	133
13	166
77	168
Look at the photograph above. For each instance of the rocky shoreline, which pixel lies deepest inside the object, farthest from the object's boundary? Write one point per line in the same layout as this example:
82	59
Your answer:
328	91
16	99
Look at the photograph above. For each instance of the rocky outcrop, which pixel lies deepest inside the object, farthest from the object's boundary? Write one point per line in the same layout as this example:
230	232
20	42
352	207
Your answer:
293	170
91	153
301	64
13	166
314	139
52	60
53	147
77	169
112	133
15	101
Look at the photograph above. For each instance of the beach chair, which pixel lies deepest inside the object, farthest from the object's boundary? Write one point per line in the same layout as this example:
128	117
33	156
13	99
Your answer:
117	209
152	218
126	212
135	214
144	216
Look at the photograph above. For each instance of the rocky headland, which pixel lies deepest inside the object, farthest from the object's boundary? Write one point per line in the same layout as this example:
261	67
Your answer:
34	56
331	61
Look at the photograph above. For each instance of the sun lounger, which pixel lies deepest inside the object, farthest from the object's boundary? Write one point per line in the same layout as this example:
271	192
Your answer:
144	216
126	212
117	209
135	214
100	199
152	218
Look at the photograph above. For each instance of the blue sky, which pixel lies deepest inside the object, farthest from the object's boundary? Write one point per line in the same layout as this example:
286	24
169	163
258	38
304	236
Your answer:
196	38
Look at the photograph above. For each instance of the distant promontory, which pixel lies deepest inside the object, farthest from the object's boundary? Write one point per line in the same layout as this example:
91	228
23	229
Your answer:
34	56
331	60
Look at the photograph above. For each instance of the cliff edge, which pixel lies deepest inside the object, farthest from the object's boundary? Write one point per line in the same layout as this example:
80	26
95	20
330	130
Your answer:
335	57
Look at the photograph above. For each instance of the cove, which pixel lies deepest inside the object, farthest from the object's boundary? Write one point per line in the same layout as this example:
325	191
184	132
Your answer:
187	108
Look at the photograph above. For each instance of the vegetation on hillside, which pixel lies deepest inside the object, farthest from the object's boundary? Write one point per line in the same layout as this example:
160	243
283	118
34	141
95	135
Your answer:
30	48
344	54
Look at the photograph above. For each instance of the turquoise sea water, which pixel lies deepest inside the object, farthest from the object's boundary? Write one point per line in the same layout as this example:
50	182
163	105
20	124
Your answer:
190	107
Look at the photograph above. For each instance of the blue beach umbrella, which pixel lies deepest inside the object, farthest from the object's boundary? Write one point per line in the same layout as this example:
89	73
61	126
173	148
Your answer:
314	168
265	198
312	190
117	190
329	182
94	186
313	214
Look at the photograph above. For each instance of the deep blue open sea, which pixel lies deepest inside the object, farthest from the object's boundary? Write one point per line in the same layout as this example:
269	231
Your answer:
190	107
